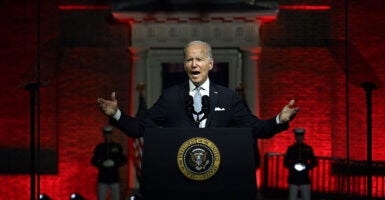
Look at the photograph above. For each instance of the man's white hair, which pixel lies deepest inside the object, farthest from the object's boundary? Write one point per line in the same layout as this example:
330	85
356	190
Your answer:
199	42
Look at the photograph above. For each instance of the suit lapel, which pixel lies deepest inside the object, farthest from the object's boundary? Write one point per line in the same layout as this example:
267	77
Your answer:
214	95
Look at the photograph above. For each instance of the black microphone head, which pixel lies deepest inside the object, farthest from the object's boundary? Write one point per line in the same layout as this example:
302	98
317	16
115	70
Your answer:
189	104
189	100
205	104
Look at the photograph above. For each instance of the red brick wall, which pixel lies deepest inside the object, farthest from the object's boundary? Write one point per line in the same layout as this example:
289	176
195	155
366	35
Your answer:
86	74
309	76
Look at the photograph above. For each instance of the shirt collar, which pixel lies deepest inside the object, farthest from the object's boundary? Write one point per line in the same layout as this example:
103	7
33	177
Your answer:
205	85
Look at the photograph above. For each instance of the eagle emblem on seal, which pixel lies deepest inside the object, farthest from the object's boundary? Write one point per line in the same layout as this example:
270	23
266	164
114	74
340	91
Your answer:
199	158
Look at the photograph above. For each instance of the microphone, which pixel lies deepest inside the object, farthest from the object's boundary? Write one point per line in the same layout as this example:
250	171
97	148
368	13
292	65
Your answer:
205	106
190	105
191	111
205	110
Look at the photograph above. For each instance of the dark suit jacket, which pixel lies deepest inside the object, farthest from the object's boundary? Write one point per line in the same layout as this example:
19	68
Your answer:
226	110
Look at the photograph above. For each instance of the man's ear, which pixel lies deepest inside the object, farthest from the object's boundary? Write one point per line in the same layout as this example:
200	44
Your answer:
211	64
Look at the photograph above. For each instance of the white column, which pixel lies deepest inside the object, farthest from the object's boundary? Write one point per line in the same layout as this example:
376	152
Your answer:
250	77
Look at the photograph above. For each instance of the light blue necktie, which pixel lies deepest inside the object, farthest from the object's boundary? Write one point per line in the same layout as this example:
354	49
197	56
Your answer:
197	101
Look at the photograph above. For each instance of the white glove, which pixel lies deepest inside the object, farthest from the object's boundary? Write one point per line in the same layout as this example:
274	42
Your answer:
108	163
299	167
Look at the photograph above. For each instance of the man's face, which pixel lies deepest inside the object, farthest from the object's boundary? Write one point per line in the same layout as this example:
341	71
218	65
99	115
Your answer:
197	63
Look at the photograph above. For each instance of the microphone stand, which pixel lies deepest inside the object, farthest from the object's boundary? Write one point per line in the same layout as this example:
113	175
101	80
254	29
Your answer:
369	87
33	88
198	121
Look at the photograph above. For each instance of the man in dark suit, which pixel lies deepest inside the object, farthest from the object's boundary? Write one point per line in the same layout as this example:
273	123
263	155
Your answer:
174	107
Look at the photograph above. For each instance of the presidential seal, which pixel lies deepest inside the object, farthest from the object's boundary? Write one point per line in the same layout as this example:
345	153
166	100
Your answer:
198	159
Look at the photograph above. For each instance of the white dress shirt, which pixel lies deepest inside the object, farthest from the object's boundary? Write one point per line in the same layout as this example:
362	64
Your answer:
205	90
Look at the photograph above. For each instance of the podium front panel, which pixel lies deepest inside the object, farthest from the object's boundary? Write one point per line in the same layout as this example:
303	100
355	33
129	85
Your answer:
234	179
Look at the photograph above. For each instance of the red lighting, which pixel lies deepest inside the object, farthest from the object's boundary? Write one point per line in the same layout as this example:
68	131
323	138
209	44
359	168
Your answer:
304	7
267	19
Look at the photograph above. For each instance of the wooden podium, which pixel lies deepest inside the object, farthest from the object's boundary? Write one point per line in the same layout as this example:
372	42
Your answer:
198	164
